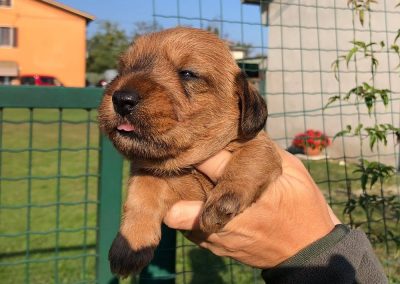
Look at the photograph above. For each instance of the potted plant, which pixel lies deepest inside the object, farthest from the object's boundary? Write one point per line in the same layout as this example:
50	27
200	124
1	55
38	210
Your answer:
312	142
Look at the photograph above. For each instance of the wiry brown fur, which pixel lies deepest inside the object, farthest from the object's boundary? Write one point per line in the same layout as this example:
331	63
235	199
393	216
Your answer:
178	123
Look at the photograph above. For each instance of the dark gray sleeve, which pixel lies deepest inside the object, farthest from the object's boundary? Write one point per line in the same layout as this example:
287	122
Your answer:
343	256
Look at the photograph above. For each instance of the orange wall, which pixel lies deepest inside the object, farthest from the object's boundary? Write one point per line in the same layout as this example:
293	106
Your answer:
51	41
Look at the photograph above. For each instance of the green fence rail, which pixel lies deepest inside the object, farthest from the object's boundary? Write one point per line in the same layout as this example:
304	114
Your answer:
60	184
60	191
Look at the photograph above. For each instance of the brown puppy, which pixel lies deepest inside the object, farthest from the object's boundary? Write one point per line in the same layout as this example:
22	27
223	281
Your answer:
179	99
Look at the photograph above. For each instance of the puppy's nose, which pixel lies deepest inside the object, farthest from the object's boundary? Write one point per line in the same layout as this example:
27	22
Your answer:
125	101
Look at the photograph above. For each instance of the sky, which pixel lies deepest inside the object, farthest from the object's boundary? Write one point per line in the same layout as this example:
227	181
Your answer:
239	23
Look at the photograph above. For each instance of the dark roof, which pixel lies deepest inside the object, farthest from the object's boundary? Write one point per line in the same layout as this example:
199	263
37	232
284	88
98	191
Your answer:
69	9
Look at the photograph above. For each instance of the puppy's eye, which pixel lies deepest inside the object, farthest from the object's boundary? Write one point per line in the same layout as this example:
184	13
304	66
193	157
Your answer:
187	75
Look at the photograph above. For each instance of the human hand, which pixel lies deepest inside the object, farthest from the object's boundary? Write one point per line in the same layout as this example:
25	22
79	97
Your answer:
291	214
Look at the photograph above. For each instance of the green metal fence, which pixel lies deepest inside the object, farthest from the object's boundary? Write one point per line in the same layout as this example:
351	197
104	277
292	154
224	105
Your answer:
60	198
60	187
57	174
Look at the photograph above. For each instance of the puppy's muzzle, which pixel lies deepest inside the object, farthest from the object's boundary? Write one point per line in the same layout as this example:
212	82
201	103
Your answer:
125	101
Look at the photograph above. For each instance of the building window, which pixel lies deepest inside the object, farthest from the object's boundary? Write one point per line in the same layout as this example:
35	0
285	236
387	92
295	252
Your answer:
8	36
5	3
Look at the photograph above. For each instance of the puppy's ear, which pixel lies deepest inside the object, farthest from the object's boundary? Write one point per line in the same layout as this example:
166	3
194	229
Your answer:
253	110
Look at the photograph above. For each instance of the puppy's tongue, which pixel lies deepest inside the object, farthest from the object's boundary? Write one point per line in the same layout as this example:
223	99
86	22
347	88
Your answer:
126	127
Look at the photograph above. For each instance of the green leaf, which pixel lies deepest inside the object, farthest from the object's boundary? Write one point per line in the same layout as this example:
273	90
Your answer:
361	17
343	132
385	98
332	100
357	131
374	179
398	32
364	181
350	55
374	64
359	43
369	44
369	102
335	67
372	140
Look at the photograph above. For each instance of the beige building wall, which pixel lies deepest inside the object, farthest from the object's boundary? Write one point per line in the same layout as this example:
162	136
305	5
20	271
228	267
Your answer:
305	38
50	41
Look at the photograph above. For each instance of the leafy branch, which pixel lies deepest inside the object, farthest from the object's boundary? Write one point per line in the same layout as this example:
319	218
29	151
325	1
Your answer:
376	133
372	172
359	47
365	92
360	7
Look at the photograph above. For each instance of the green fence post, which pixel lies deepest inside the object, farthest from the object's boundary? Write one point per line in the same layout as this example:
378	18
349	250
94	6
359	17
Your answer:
162	267
109	209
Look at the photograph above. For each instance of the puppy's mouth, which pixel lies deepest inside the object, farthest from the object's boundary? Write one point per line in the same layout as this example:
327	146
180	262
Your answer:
126	129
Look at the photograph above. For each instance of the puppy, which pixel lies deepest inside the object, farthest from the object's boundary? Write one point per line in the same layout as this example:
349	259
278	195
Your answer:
180	98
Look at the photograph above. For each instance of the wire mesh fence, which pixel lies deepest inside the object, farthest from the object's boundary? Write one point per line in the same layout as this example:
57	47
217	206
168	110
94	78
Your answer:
48	203
299	54
326	61
329	66
49	180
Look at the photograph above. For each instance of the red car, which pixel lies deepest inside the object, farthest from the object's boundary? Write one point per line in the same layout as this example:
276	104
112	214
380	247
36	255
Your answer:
39	80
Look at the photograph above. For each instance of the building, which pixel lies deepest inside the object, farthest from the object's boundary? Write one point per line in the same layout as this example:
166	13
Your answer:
42	37
305	38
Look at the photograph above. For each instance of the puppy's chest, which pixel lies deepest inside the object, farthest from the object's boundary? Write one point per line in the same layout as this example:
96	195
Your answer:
191	186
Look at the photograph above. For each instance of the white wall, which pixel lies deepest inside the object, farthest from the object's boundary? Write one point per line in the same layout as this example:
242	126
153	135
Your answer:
305	37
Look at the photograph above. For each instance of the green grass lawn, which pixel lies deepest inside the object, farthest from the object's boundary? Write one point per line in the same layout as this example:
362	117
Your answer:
48	205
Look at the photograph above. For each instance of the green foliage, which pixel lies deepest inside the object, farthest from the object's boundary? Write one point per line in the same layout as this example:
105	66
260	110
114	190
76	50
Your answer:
360	7
364	92
105	46
362	48
372	172
376	133
374	205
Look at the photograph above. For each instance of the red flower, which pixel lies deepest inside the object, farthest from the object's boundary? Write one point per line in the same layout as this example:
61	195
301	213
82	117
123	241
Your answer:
311	138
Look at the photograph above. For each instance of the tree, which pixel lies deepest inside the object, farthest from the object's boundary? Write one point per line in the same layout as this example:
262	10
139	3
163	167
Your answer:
105	46
141	28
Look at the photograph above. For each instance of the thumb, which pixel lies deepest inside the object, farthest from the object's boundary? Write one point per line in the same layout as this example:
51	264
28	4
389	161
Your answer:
214	166
184	215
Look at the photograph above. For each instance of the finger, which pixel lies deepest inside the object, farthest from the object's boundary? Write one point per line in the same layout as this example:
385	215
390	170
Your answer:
184	215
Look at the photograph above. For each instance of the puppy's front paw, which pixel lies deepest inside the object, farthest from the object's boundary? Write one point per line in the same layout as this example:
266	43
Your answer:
219	210
124	260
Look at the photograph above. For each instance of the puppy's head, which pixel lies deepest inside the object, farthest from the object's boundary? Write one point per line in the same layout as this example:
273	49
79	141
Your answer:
179	98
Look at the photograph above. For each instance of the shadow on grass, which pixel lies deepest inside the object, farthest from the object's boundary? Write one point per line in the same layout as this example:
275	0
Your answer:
206	267
46	250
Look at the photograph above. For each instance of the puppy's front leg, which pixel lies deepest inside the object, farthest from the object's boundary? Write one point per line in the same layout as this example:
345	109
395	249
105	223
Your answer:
148	200
254	164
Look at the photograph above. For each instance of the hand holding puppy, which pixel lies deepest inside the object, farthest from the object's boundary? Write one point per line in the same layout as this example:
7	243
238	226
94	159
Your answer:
291	214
